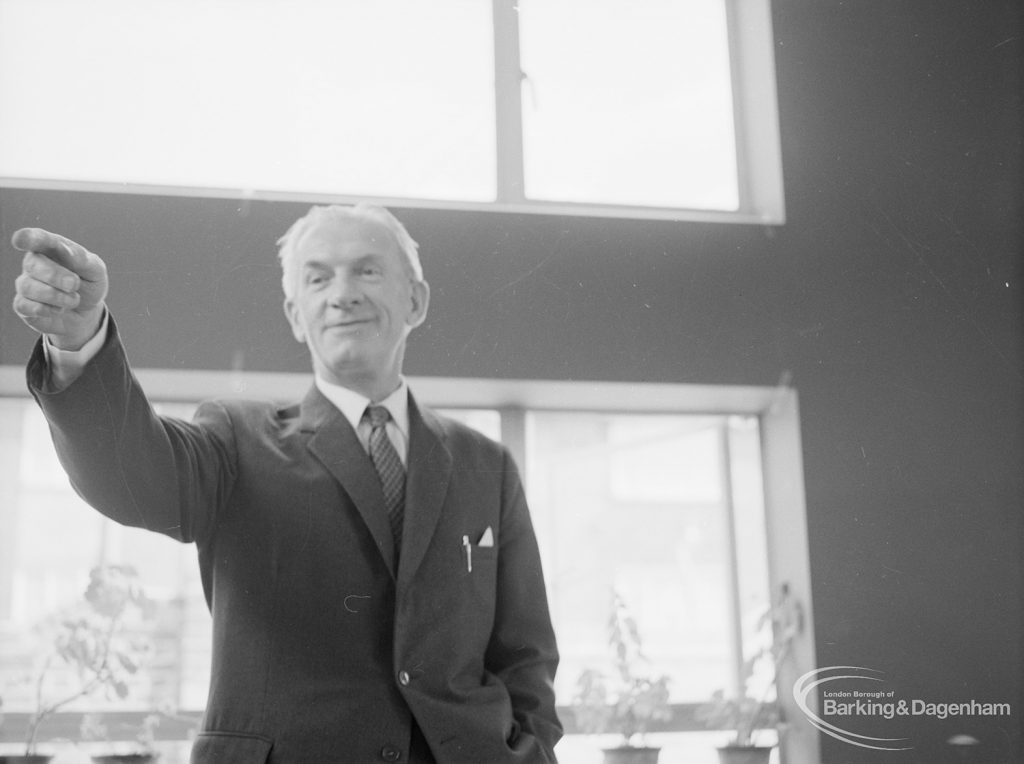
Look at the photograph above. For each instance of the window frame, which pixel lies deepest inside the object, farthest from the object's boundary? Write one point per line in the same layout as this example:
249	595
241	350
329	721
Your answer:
776	408
755	110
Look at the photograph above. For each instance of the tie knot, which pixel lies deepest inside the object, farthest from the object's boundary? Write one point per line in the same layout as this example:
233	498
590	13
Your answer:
378	415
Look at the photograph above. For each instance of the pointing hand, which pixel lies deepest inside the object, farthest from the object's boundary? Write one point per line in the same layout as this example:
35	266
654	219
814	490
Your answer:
61	288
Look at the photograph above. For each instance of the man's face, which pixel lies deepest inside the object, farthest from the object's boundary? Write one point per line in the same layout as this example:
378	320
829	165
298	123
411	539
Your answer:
354	303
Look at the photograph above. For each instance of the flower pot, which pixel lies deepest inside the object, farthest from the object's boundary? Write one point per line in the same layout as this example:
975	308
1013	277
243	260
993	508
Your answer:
628	754
744	754
125	758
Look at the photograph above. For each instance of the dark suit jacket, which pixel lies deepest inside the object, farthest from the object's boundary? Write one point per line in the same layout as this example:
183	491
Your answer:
322	651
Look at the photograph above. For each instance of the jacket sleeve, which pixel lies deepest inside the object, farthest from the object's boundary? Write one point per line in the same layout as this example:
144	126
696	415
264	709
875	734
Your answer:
135	467
522	651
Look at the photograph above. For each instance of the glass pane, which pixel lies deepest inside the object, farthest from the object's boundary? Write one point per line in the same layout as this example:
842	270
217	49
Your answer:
392	97
485	421
635	505
51	541
47	571
628	103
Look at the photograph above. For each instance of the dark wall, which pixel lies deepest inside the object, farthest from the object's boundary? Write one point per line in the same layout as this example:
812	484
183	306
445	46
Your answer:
892	295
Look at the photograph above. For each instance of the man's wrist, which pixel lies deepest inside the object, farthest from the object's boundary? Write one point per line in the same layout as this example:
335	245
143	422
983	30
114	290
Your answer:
75	344
65	366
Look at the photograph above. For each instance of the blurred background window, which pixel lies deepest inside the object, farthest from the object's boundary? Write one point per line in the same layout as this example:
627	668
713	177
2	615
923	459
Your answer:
654	509
664	511
664	108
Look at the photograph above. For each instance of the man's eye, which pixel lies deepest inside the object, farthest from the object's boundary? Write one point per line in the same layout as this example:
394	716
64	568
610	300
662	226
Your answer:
371	270
315	279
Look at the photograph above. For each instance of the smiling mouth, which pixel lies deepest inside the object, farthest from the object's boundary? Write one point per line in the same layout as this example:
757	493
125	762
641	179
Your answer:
349	324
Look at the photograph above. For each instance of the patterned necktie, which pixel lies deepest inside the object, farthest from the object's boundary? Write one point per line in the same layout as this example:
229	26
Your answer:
389	468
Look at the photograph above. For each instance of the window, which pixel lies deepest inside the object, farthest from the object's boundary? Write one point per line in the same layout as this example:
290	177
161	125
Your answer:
54	540
310	96
645	506
685	501
628	103
592	107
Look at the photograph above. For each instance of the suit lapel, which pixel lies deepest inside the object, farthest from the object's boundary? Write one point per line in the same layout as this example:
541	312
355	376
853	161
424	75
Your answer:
335	444
427	477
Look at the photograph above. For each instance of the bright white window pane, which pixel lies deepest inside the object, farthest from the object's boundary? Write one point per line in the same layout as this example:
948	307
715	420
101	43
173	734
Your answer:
628	103
485	421
53	540
639	504
647	454
388	98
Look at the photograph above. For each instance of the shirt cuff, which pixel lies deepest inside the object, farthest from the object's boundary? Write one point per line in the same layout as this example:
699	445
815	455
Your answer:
67	365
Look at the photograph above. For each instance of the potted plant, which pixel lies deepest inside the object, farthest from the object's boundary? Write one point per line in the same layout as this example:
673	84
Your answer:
140	750
745	716
629	700
92	637
129	742
757	708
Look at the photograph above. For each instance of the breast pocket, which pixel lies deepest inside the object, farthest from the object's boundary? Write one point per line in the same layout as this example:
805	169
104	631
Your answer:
476	558
486	556
479	566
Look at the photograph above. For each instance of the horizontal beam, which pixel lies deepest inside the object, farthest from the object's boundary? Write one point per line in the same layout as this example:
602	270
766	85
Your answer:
179	385
523	207
182	726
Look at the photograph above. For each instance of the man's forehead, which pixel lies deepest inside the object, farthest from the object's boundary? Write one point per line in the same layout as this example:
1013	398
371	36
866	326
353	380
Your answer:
359	233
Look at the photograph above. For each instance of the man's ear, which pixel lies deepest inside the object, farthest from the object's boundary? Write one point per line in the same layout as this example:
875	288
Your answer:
292	314
420	303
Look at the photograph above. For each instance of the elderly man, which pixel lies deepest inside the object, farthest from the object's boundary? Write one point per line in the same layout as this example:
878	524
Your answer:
371	567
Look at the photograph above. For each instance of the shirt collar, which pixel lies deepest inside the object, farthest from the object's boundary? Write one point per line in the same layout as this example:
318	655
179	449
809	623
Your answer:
352	405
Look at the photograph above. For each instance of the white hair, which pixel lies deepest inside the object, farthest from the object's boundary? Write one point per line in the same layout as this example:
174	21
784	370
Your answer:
318	215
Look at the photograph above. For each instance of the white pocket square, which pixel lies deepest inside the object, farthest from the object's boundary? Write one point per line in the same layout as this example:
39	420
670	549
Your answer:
487	539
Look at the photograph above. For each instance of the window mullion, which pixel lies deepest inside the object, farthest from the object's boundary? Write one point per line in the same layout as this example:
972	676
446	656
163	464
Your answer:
508	106
732	556
739	118
513	434
755	109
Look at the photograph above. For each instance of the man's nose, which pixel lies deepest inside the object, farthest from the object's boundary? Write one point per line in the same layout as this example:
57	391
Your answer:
345	291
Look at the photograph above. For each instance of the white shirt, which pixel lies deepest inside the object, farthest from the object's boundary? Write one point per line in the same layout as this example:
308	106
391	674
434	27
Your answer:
67	365
352	405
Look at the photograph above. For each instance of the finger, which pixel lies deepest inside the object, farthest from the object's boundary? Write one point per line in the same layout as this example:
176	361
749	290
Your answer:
38	315
41	268
40	240
53	326
60	249
34	290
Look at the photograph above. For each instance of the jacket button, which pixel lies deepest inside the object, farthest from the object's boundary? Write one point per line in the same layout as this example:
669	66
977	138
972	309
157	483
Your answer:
390	753
403	678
